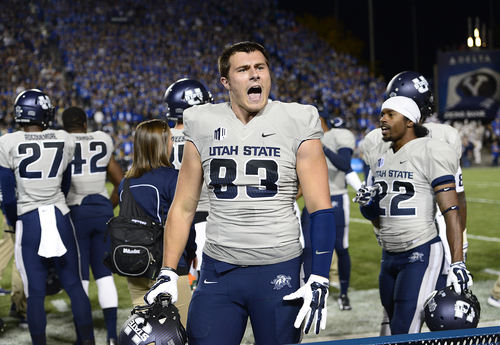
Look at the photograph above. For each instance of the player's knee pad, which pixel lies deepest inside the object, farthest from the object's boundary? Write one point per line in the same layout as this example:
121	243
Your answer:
106	291
85	284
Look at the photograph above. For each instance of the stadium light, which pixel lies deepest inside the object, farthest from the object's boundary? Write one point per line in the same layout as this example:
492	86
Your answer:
470	41
474	37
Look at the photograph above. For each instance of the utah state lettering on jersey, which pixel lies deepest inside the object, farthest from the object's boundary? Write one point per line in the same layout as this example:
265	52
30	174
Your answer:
247	151
394	173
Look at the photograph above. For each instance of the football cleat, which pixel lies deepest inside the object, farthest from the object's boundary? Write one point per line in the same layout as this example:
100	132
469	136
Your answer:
344	303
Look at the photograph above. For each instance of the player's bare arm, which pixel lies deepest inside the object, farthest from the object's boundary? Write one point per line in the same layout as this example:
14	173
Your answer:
313	175
114	173
183	209
462	203
448	203
313	178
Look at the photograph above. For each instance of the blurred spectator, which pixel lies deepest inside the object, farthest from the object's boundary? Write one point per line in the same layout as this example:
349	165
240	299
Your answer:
495	153
495	126
467	149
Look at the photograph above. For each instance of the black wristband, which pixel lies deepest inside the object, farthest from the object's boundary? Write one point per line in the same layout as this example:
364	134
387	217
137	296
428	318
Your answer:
450	209
169	269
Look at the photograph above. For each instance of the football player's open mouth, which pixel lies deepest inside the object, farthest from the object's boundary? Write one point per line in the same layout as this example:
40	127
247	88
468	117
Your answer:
384	129
255	93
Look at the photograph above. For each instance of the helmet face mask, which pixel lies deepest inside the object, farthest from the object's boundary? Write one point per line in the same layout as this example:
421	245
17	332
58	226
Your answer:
413	85
446	310
155	324
183	94
33	107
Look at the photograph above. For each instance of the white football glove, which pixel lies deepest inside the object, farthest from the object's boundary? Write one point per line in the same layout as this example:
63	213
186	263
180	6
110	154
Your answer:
365	194
165	283
315	293
459	277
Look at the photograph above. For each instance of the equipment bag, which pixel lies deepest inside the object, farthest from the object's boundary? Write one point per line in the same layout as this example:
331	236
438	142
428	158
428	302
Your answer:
136	240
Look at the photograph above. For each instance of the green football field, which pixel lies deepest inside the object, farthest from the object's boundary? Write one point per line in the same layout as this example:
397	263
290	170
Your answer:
482	186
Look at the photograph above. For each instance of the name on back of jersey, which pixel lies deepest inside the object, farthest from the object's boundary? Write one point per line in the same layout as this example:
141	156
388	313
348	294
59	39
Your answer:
84	137
41	136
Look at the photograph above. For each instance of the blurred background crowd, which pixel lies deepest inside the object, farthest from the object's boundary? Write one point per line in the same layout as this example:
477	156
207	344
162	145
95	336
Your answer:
116	59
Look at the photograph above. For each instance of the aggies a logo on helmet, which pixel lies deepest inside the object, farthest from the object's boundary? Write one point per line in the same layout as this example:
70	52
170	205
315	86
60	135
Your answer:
44	102
445	310
421	84
193	96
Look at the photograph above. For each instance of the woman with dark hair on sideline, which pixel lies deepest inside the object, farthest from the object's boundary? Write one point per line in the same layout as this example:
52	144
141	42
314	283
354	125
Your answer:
152	184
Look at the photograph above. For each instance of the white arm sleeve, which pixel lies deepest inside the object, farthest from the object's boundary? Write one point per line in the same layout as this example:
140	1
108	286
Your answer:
353	180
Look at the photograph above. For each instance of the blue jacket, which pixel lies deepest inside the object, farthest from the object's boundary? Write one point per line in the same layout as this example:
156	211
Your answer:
154	193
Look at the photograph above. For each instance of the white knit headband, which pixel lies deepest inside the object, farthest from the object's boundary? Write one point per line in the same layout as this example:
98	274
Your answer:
405	106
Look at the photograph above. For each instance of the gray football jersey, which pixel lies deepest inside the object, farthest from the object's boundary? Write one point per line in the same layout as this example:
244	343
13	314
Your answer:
250	171
372	139
179	139
407	201
445	133
38	160
335	139
93	152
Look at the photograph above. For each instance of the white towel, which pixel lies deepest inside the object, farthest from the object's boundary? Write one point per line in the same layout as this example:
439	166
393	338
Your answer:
51	244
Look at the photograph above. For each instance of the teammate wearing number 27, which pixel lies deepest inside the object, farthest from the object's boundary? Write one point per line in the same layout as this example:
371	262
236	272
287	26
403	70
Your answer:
410	176
35	161
251	154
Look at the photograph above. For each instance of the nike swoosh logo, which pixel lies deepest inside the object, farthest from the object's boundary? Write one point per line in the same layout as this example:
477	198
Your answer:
209	282
401	162
319	253
267	135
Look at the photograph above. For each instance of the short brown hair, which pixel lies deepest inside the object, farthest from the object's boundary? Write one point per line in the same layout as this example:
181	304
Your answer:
73	117
150	148
245	47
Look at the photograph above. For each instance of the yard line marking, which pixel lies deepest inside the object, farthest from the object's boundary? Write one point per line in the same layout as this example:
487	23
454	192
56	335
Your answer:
490	271
360	220
483	238
60	305
484	184
484	201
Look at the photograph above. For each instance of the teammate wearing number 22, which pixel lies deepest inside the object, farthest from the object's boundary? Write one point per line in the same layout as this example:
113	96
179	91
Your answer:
35	161
251	153
410	176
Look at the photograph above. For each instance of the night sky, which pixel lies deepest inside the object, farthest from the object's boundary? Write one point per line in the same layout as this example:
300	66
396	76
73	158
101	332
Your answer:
439	25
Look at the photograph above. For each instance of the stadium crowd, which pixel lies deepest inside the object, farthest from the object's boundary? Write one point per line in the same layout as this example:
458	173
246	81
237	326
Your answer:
117	58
